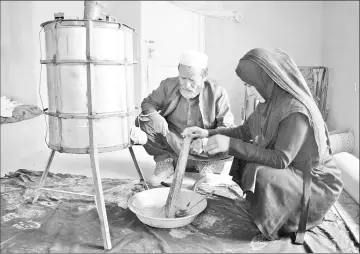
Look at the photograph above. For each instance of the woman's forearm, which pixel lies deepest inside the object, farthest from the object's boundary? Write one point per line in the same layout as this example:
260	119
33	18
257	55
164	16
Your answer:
293	132
252	153
232	132
240	132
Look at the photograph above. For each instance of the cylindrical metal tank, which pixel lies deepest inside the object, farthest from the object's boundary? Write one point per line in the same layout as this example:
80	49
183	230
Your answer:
90	75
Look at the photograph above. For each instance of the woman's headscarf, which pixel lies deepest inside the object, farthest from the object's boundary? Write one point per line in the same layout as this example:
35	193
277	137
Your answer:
279	66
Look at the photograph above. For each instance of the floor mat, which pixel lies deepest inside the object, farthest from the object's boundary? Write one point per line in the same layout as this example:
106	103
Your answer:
70	223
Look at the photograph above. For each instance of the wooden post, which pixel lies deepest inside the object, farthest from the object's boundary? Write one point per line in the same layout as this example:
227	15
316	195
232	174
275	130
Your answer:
44	175
175	189
99	197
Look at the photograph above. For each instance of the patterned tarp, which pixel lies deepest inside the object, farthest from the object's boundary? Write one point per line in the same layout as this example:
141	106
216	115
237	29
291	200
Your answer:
70	223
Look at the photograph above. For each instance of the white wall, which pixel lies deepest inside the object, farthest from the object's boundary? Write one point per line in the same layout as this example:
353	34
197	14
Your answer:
20	49
129	13
340	52
18	56
292	26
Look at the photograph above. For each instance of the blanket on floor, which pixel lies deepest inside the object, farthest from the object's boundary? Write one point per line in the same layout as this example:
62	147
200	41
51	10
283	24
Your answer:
21	113
70	223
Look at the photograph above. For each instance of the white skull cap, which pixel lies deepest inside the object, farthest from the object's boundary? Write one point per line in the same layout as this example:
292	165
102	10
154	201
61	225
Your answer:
194	59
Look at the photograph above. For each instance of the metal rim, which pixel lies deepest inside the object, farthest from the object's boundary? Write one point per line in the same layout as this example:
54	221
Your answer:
86	20
138	212
93	116
96	62
61	149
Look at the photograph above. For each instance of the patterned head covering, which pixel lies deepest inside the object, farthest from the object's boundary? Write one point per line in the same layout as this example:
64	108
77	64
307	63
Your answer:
279	66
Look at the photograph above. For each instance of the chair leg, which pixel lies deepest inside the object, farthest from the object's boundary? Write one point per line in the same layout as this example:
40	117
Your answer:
138	169
99	197
44	175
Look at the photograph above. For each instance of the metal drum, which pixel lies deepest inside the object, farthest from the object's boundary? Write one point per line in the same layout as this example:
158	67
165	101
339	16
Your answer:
90	78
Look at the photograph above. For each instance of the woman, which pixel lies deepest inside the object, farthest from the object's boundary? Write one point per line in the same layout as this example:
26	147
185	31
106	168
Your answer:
283	158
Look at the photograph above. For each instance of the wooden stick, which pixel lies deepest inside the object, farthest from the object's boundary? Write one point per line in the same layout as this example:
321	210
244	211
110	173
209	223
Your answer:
44	175
99	197
175	189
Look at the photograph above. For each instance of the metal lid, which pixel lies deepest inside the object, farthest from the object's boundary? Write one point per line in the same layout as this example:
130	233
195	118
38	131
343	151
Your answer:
81	22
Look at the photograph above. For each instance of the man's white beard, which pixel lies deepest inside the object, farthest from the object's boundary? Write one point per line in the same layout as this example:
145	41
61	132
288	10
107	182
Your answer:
189	94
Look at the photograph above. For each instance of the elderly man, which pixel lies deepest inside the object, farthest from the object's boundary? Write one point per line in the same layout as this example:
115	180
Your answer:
190	99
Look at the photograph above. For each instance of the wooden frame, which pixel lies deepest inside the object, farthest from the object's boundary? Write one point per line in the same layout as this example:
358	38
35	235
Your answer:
93	148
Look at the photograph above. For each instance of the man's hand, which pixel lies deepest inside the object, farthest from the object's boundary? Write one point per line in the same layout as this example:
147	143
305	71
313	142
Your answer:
195	132
196	147
217	144
159	124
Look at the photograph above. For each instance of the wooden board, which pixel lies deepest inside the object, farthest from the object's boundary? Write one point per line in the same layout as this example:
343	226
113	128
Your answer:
174	193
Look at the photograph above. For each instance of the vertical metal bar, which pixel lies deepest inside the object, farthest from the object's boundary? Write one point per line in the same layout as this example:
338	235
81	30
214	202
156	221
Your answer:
131	110
56	84
136	65
138	169
99	197
43	177
136	47
127	87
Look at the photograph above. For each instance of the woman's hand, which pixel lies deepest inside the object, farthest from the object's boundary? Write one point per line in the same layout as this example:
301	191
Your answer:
217	144
196	147
195	132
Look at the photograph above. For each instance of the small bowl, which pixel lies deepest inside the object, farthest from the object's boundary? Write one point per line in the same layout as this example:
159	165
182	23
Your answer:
143	204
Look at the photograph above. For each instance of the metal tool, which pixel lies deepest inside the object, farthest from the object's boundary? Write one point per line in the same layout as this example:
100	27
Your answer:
233	190
165	184
184	212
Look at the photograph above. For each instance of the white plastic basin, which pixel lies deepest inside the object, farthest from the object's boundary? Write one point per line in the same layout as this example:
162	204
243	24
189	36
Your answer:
146	205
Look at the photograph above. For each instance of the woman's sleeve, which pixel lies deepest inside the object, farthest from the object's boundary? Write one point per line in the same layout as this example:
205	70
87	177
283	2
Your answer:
292	134
241	132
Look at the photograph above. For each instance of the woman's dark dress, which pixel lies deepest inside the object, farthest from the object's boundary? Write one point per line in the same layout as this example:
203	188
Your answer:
272	177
